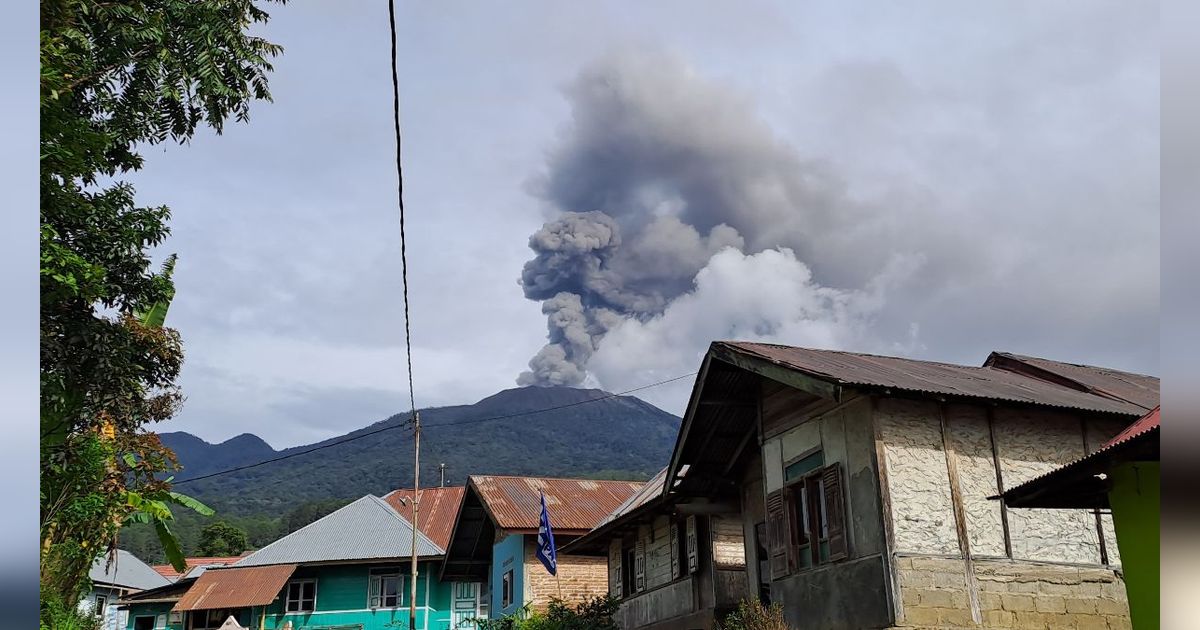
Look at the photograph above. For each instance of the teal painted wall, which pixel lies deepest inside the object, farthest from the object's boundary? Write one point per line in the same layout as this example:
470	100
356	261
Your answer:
1134	498
342	599
507	554
151	610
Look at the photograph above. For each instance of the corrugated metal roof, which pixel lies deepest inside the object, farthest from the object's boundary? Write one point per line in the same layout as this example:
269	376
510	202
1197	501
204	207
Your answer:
652	489
576	505
236	587
848	368
170	573
125	570
1143	424
363	530
1138	389
1130	441
438	509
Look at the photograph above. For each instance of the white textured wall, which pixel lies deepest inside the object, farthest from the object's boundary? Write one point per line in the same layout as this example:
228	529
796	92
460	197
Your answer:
1032	443
728	544
970	440
922	514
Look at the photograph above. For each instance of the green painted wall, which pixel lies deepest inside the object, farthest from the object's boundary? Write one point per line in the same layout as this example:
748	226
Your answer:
1134	498
342	599
151	610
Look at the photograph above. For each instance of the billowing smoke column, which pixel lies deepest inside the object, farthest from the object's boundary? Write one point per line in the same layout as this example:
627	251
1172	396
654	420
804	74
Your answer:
658	173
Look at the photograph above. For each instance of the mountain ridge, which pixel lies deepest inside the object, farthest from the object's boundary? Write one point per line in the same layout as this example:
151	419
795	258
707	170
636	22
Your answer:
550	431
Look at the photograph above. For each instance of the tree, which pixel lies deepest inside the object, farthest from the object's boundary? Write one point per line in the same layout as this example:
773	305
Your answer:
222	539
115	76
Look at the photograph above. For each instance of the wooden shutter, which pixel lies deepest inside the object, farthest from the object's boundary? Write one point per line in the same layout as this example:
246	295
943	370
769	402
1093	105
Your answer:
639	565
690	534
615	577
779	535
835	505
675	551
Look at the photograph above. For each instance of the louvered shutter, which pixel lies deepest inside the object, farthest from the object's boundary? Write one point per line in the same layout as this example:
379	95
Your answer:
779	536
675	551
691	543
614	568
835	505
639	565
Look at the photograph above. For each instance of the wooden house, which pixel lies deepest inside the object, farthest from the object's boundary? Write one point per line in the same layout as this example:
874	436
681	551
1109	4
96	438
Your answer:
495	537
861	485
350	568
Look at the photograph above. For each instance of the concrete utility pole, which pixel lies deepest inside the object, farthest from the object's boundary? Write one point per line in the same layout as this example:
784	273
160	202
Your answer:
412	596
442	475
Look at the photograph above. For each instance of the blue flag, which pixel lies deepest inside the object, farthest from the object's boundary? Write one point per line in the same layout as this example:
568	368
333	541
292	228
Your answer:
546	552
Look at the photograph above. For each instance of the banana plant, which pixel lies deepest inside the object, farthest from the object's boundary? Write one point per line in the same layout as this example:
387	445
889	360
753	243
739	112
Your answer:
155	507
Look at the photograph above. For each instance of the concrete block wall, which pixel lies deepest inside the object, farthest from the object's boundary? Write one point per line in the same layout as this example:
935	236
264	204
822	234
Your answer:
579	577
934	593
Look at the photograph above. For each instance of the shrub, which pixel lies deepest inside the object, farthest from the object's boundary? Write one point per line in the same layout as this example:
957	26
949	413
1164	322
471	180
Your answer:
593	613
752	615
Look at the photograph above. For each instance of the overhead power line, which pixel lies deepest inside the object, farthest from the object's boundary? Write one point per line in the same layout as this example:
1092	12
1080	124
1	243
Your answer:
434	426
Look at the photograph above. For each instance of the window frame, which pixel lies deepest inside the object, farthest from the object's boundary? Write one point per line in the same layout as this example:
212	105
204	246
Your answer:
809	528
375	595
99	605
507	589
287	600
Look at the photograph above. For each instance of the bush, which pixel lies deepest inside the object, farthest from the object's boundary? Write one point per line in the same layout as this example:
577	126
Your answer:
59	616
593	613
752	615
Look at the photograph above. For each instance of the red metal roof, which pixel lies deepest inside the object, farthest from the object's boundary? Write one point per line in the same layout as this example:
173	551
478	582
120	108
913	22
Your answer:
436	514
170	573
1073	479
574	505
931	377
236	587
1143	424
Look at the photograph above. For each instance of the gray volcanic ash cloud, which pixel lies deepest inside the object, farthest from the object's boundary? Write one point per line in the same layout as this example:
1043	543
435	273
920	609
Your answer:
658	173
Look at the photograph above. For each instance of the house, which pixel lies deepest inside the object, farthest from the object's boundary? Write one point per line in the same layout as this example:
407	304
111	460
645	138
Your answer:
674	565
350	568
854	490
1122	476
115	576
193	563
495	537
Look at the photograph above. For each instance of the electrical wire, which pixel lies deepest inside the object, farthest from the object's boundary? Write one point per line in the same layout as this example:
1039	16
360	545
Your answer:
428	427
412	398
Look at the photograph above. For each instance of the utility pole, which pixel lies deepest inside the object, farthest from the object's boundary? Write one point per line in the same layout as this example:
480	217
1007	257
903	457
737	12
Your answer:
442	475
412	596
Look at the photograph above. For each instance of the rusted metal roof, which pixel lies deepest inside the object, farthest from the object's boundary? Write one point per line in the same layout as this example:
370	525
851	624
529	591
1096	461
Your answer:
652	489
650	495
438	509
1138	389
1077	484
235	587
574	505
170	573
1143	424
929	377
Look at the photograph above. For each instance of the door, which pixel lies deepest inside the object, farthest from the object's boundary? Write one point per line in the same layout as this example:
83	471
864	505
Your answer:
467	598
143	623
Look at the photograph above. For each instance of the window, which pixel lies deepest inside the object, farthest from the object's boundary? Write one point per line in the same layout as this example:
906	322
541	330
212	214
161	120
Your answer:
205	619
629	569
301	596
506	589
385	588
100	605
805	519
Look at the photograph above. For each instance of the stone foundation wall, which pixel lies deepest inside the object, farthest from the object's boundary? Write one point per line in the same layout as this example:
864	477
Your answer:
579	577
1012	594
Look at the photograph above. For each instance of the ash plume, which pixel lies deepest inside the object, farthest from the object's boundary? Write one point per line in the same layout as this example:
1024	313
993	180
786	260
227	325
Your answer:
658	172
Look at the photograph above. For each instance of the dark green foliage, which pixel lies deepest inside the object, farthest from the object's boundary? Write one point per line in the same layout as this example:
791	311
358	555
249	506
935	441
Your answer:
593	613
222	539
117	76
752	615
615	438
